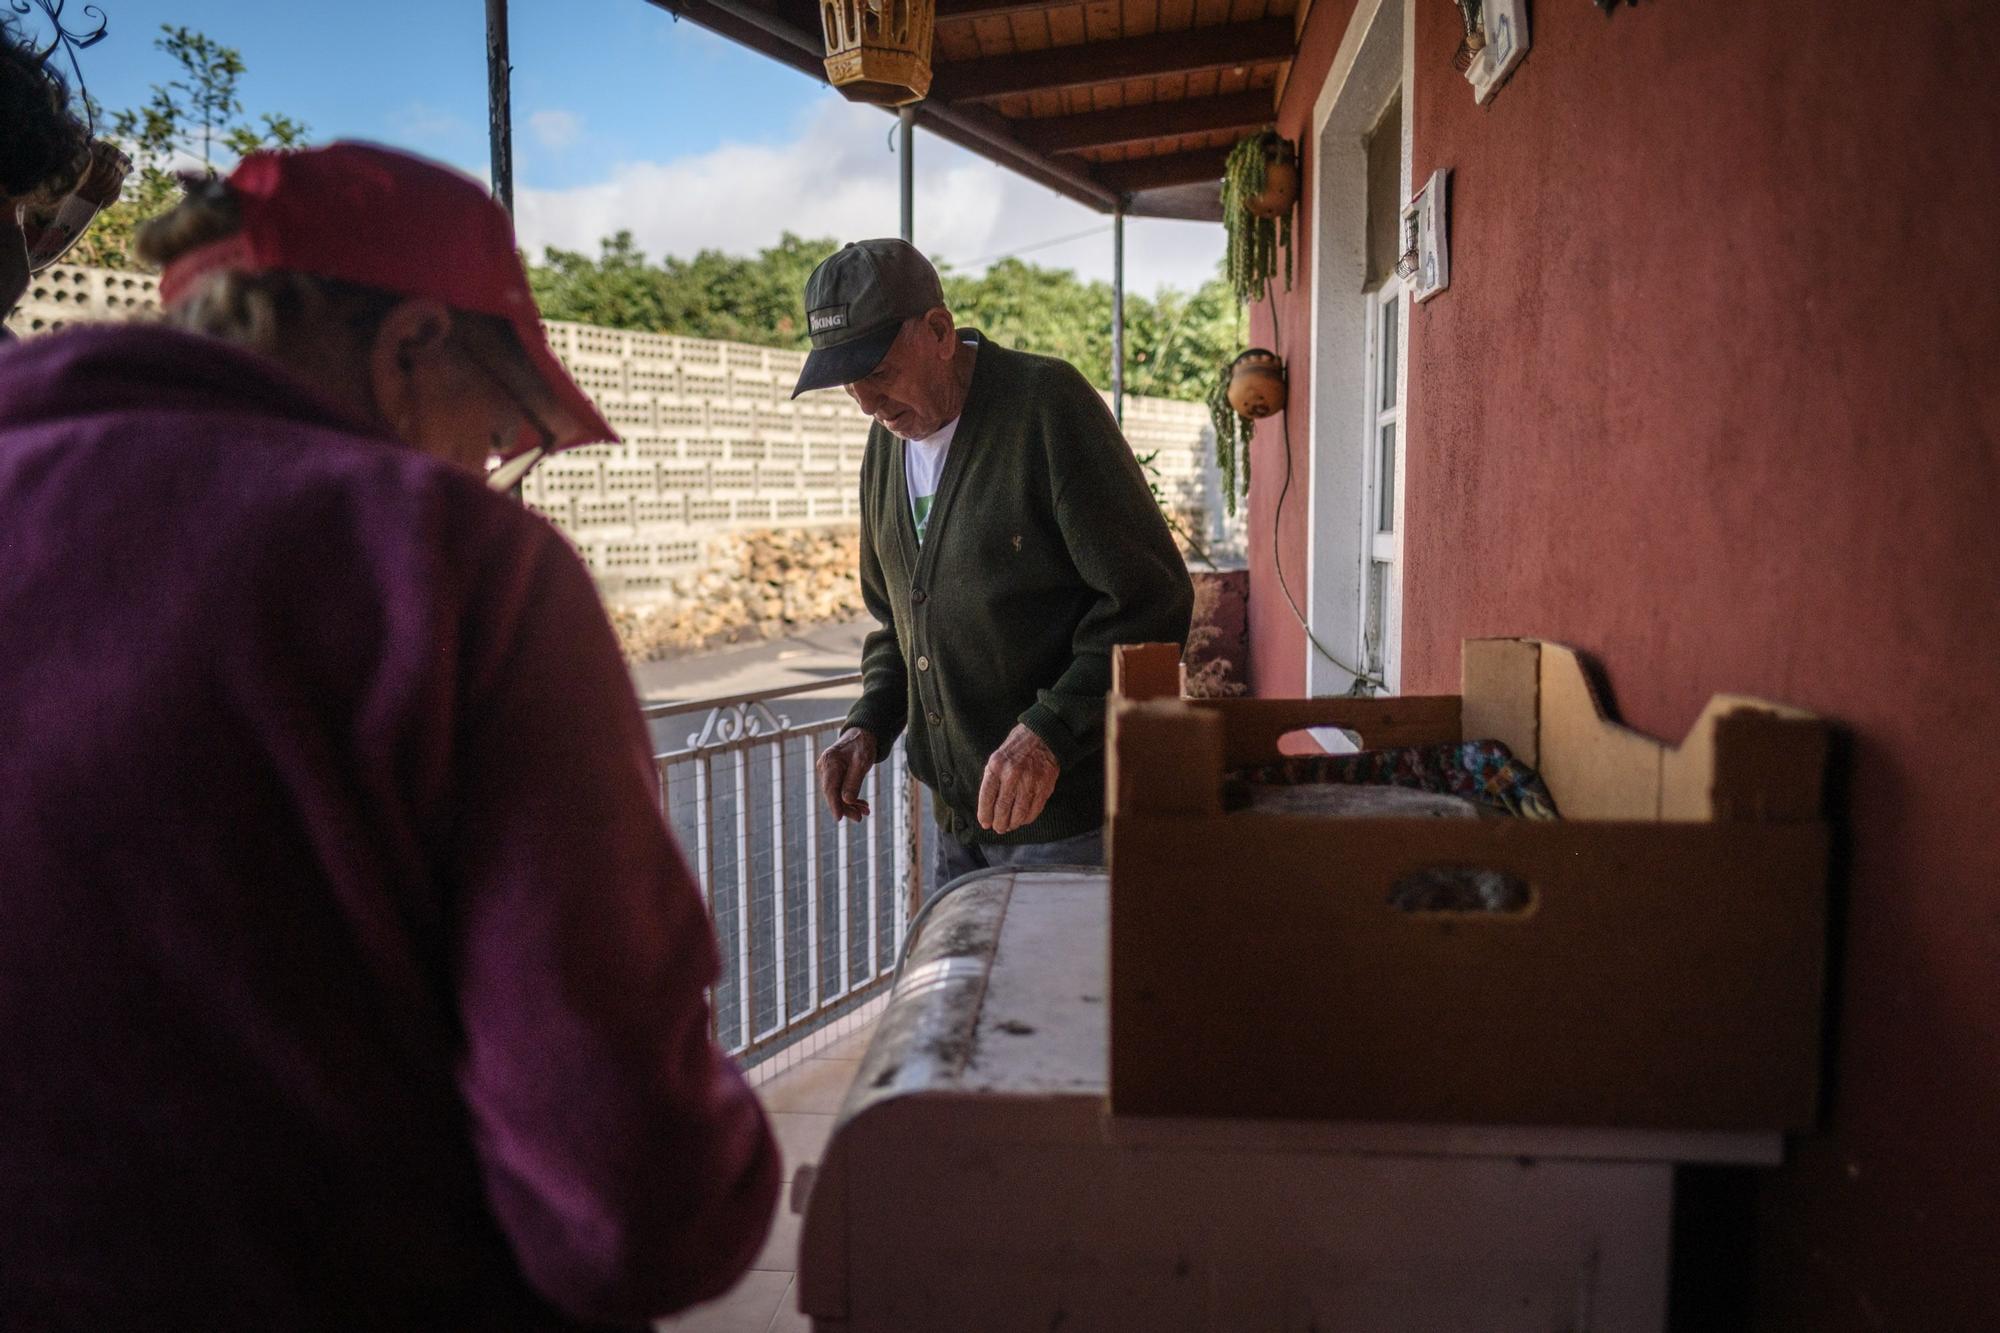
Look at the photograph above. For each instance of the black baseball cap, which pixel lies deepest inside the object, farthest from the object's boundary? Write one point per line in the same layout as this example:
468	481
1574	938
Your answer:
856	303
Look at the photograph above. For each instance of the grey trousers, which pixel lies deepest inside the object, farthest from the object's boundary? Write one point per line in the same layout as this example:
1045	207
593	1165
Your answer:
955	858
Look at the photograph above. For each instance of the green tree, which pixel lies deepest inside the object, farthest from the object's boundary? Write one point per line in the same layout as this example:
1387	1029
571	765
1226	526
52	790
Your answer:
1045	310
195	109
617	289
749	300
711	295
198	115
1183	340
1175	343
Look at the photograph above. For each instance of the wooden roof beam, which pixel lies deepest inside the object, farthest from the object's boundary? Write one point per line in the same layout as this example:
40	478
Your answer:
974	127
1220	46
1151	173
991	9
1154	120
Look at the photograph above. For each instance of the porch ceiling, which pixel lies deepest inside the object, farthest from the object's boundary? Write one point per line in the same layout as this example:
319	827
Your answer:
1106	100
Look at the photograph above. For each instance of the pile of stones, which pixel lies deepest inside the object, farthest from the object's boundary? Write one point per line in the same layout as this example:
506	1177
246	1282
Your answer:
757	584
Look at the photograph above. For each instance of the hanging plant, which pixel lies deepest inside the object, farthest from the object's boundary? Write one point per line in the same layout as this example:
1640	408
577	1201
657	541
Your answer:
1250	388
1232	441
1260	183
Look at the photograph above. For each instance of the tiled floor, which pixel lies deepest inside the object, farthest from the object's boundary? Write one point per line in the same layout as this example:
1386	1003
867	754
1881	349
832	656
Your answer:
801	1102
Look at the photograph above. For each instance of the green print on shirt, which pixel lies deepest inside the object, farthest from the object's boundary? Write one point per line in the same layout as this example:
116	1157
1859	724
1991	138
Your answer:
920	509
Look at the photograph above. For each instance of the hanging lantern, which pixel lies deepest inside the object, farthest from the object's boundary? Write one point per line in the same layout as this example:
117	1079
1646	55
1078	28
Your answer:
879	51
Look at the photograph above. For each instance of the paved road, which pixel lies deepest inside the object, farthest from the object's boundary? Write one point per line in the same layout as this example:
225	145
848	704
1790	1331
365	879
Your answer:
799	659
823	653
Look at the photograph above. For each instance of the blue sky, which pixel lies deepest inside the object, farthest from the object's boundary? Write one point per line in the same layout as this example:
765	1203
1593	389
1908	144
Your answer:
624	117
643	85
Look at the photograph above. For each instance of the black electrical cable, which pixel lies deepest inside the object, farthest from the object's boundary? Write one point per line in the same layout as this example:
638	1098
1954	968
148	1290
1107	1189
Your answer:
1361	678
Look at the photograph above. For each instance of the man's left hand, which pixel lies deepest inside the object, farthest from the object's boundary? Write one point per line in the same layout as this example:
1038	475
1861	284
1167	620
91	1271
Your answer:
1019	779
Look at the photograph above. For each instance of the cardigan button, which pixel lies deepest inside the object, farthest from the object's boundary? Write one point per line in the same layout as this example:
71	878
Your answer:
917	596
923	664
933	719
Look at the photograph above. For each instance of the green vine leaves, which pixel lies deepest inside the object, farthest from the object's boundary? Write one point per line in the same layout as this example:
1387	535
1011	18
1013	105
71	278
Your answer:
1232	442
1254	239
1259	189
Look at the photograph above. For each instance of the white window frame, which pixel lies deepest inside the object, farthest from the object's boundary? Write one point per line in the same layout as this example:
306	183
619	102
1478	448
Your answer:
1385	544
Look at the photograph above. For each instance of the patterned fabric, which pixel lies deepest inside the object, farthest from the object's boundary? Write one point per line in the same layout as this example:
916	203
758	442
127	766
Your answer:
1483	771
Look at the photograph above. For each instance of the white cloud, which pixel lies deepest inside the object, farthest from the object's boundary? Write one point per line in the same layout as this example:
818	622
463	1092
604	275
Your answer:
837	177
556	129
423	127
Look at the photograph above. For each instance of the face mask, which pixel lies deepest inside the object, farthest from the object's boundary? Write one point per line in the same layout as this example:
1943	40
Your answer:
54	233
504	476
53	227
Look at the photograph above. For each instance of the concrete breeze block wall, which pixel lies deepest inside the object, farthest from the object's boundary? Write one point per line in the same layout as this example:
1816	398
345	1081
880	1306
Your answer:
65	294
711	440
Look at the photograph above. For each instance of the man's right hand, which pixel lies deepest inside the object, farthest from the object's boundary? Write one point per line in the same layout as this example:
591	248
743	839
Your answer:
842	767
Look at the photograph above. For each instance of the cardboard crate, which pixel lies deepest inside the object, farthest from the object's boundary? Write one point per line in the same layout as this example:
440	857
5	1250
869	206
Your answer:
1666	972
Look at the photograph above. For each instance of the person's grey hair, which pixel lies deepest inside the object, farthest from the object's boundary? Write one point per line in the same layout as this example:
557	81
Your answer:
274	311
264	312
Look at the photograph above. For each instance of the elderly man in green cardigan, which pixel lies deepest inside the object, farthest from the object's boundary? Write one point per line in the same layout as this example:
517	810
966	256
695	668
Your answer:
1008	541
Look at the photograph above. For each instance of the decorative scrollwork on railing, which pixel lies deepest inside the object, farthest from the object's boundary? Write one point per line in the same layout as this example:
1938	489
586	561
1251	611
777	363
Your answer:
68	42
735	722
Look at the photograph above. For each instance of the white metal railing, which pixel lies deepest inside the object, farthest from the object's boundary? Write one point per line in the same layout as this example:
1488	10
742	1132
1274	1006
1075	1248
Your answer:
809	913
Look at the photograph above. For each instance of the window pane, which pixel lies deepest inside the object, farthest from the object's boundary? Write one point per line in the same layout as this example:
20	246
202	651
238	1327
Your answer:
1378	597
1387	358
1383	149
1385	479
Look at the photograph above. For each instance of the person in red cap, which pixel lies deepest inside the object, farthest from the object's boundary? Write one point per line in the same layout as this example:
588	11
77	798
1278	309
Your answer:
349	978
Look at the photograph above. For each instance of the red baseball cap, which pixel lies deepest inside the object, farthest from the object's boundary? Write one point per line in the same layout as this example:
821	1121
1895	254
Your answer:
361	213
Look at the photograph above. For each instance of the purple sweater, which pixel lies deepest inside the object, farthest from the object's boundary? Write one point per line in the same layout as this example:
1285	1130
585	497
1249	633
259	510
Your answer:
348	978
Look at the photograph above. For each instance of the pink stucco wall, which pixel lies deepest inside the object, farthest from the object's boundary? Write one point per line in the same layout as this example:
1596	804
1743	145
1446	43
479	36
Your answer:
1713	396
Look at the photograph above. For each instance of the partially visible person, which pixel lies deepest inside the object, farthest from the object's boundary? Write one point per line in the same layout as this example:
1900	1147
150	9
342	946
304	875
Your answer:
53	223
44	147
349	978
1008	542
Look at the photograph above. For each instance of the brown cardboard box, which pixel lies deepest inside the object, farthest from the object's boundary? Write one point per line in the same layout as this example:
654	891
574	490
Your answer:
1666	972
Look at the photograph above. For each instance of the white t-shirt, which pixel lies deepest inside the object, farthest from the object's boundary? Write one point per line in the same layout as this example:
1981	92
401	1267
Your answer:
923	464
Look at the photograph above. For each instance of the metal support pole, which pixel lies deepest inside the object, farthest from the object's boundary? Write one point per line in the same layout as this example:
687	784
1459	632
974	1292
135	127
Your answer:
1118	312
499	106
906	126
